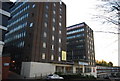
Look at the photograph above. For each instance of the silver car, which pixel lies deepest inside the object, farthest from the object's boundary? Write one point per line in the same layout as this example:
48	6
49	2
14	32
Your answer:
54	76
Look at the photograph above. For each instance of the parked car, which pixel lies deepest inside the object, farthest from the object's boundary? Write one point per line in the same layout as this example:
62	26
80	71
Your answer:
54	76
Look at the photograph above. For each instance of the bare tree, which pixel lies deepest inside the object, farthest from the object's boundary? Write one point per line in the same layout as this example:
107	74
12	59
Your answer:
109	11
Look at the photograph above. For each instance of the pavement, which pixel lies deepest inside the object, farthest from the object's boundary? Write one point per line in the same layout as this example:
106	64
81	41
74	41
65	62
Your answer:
13	75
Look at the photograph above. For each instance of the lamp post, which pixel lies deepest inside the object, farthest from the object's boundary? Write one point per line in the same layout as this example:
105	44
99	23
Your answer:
118	37
118	9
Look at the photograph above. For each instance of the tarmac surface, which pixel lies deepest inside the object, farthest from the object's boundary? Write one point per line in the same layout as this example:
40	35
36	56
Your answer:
15	77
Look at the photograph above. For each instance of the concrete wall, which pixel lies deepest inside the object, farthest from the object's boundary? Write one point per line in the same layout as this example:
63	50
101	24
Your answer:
36	69
1	48
94	71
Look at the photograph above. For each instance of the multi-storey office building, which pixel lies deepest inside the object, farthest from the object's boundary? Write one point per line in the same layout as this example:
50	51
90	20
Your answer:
37	32
4	15
80	44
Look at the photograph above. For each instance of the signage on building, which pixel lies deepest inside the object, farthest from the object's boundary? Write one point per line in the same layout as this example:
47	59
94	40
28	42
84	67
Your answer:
82	63
6	64
64	55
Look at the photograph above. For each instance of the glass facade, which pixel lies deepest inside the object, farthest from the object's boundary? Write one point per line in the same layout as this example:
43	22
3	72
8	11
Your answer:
75	36
75	31
80	43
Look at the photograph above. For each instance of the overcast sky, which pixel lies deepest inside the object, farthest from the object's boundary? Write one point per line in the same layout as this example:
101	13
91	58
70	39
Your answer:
106	45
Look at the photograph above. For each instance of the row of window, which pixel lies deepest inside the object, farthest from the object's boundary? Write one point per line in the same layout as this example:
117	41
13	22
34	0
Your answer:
91	63
75	31
103	71
80	46
19	6
90	47
91	57
75	41
46	24
22	10
18	20
75	36
17	28
52	57
80	40
17	36
104	67
90	42
90	39
52	46
21	44
75	57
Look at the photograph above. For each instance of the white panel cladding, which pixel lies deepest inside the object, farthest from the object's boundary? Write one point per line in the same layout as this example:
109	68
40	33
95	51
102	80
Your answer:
36	69
1	48
1	43
25	70
94	71
4	12
3	27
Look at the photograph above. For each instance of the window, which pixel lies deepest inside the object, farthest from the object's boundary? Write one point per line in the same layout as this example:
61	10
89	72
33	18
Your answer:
43	55
52	57
31	24
59	31
45	34
54	12
60	3
44	45
54	5
59	59
33	6
46	6
60	10
23	44
60	16
53	38
60	24
59	40
24	34
46	15
59	49
53	28
52	47
45	24
53	19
